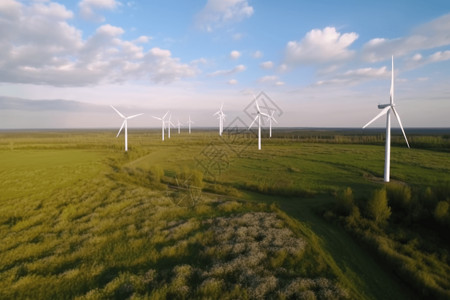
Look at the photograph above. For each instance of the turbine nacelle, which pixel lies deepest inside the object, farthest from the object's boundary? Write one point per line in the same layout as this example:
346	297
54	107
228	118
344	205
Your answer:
381	106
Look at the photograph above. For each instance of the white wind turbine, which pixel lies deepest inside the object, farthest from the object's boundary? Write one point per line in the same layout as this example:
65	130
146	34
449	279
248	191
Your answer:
387	108
221	117
169	123
189	123
124	124
258	117
179	124
163	119
271	118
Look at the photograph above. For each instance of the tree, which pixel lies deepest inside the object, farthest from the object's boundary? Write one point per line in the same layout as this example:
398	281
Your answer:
378	208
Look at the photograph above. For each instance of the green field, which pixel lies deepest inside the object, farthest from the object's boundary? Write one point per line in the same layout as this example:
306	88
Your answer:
80	218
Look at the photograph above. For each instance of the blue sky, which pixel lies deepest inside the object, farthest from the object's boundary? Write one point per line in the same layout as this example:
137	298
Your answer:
324	63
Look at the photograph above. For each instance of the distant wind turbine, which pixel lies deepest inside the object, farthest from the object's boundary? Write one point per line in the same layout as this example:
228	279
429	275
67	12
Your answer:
179	124
163	119
259	114
189	123
387	108
169	123
271	118
221	117
124	124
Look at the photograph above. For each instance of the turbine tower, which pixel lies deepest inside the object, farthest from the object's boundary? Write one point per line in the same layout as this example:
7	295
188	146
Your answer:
179	124
387	108
163	119
258	117
124	124
169	123
189	123
221	117
271	118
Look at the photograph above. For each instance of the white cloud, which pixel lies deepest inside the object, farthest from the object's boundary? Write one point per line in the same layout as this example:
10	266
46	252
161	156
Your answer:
418	60
266	65
232	82
257	54
427	36
88	7
271	79
353	77
38	46
320	46
235	54
143	39
237	69
283	68
218	13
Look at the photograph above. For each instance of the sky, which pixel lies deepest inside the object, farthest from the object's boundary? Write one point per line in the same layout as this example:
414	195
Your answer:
315	63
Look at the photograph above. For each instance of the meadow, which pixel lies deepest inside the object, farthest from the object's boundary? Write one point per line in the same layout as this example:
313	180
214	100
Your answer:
203	216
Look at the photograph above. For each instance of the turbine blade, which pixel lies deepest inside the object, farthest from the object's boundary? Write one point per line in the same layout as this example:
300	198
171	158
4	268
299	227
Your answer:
257	116
273	119
257	106
121	127
401	126
165	115
392	82
384	111
157	118
118	112
134	116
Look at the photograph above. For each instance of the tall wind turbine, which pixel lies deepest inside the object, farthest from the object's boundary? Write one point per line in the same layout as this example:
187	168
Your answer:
221	117
271	118
189	123
169	123
179	124
124	124
387	108
259	114
163	119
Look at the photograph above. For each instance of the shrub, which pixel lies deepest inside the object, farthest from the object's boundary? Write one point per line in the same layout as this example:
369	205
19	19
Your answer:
378	208
399	196
344	203
441	212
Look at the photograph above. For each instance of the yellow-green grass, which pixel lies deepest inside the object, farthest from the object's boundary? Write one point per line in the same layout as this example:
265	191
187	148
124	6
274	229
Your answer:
73	222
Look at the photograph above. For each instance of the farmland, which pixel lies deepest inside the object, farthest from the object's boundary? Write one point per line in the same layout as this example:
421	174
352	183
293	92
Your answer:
200	216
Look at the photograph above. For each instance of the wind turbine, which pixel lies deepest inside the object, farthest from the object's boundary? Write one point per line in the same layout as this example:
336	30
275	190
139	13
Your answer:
189	123
271	118
258	116
387	108
221	117
163	123
124	124
179	124
169	123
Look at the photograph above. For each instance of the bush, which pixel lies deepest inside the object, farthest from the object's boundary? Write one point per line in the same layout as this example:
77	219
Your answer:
441	212
378	208
192	178
399	196
344	203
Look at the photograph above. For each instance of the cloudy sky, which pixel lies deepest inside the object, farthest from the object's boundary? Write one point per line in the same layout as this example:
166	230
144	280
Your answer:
323	63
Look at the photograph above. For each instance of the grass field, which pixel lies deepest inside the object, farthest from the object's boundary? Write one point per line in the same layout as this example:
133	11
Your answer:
81	219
